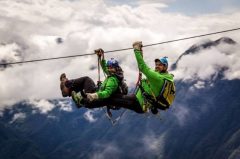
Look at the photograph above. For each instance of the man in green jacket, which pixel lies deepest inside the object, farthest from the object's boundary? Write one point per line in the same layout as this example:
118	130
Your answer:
153	83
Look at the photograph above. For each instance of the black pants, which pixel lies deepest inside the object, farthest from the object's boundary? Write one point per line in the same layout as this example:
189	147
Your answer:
118	100
82	83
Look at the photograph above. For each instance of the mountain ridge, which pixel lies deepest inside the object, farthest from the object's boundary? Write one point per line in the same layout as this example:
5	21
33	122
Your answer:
194	49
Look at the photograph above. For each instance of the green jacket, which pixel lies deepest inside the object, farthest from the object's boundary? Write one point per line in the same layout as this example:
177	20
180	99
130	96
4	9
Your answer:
109	85
154	80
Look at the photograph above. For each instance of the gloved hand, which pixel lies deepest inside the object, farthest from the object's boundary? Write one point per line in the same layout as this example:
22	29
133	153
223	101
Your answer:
99	52
92	96
137	45
77	98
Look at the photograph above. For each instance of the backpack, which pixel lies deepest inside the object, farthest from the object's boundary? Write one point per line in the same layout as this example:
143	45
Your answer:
123	88
122	85
166	97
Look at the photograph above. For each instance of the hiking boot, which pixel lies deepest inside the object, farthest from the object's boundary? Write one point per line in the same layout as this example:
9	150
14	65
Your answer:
65	91
77	98
63	77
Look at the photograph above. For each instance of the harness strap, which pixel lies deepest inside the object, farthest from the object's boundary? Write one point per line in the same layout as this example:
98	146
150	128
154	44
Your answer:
138	82
139	79
164	85
151	90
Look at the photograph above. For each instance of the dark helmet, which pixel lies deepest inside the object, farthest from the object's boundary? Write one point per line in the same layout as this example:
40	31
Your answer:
112	63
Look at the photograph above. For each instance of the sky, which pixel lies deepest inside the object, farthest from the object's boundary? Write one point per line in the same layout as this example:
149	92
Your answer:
29	29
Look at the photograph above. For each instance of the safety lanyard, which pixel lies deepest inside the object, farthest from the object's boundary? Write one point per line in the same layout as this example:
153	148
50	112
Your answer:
138	82
99	75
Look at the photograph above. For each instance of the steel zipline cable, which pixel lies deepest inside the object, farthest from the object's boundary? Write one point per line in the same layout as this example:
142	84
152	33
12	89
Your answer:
72	56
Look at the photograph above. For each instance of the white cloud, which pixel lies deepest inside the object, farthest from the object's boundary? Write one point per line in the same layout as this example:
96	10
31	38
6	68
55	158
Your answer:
106	150
206	64
89	116
199	84
234	66
182	113
65	105
151	144
17	117
153	2
42	105
10	52
154	143
86	25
